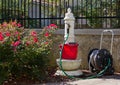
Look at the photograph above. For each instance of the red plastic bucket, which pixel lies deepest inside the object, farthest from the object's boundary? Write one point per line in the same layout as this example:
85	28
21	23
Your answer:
70	51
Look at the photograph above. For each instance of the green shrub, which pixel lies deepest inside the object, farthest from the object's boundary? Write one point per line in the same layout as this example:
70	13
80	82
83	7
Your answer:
24	53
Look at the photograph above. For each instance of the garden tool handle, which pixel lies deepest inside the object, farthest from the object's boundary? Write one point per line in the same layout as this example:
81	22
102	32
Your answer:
112	33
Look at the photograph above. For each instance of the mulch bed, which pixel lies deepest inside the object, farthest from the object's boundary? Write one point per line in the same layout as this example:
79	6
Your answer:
26	81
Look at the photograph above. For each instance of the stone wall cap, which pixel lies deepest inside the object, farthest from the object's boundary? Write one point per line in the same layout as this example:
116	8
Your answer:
89	31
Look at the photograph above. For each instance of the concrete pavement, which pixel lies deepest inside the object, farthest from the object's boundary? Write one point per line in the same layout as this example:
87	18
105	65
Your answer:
105	80
95	82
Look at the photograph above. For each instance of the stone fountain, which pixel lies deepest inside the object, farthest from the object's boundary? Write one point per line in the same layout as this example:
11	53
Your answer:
70	66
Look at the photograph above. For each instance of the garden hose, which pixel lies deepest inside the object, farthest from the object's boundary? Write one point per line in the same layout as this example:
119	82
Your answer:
72	77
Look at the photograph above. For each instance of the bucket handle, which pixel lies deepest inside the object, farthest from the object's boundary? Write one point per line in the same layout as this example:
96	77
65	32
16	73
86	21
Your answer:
112	37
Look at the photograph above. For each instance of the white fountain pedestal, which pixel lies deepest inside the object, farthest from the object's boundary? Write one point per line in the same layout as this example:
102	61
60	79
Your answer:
70	67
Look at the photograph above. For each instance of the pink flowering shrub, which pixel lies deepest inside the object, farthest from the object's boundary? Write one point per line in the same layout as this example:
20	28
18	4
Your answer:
24	52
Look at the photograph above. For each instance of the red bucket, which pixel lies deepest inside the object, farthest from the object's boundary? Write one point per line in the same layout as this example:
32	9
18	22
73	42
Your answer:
70	51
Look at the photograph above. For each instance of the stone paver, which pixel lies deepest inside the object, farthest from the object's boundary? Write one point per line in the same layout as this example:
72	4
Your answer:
95	82
105	80
88	82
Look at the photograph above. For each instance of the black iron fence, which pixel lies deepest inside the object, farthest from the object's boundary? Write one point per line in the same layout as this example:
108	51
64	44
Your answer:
40	13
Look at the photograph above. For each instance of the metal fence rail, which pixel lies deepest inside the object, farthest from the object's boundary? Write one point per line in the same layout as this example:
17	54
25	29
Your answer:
40	13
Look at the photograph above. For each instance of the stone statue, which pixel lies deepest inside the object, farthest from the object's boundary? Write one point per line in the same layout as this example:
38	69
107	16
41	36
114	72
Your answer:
69	26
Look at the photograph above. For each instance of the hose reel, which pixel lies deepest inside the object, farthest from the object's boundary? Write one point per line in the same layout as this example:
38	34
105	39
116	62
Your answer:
98	58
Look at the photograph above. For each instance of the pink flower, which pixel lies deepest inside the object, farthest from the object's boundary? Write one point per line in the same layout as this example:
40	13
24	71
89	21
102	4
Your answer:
46	43
46	34
14	23
27	43
52	25
7	34
16	33
19	25
15	44
18	37
4	24
1	37
35	39
34	34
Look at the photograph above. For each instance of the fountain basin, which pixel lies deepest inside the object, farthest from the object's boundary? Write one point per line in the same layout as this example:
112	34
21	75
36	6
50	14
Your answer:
69	65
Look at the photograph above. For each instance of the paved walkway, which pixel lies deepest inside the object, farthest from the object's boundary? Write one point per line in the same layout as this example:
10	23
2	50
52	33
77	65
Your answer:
96	82
88	82
105	80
